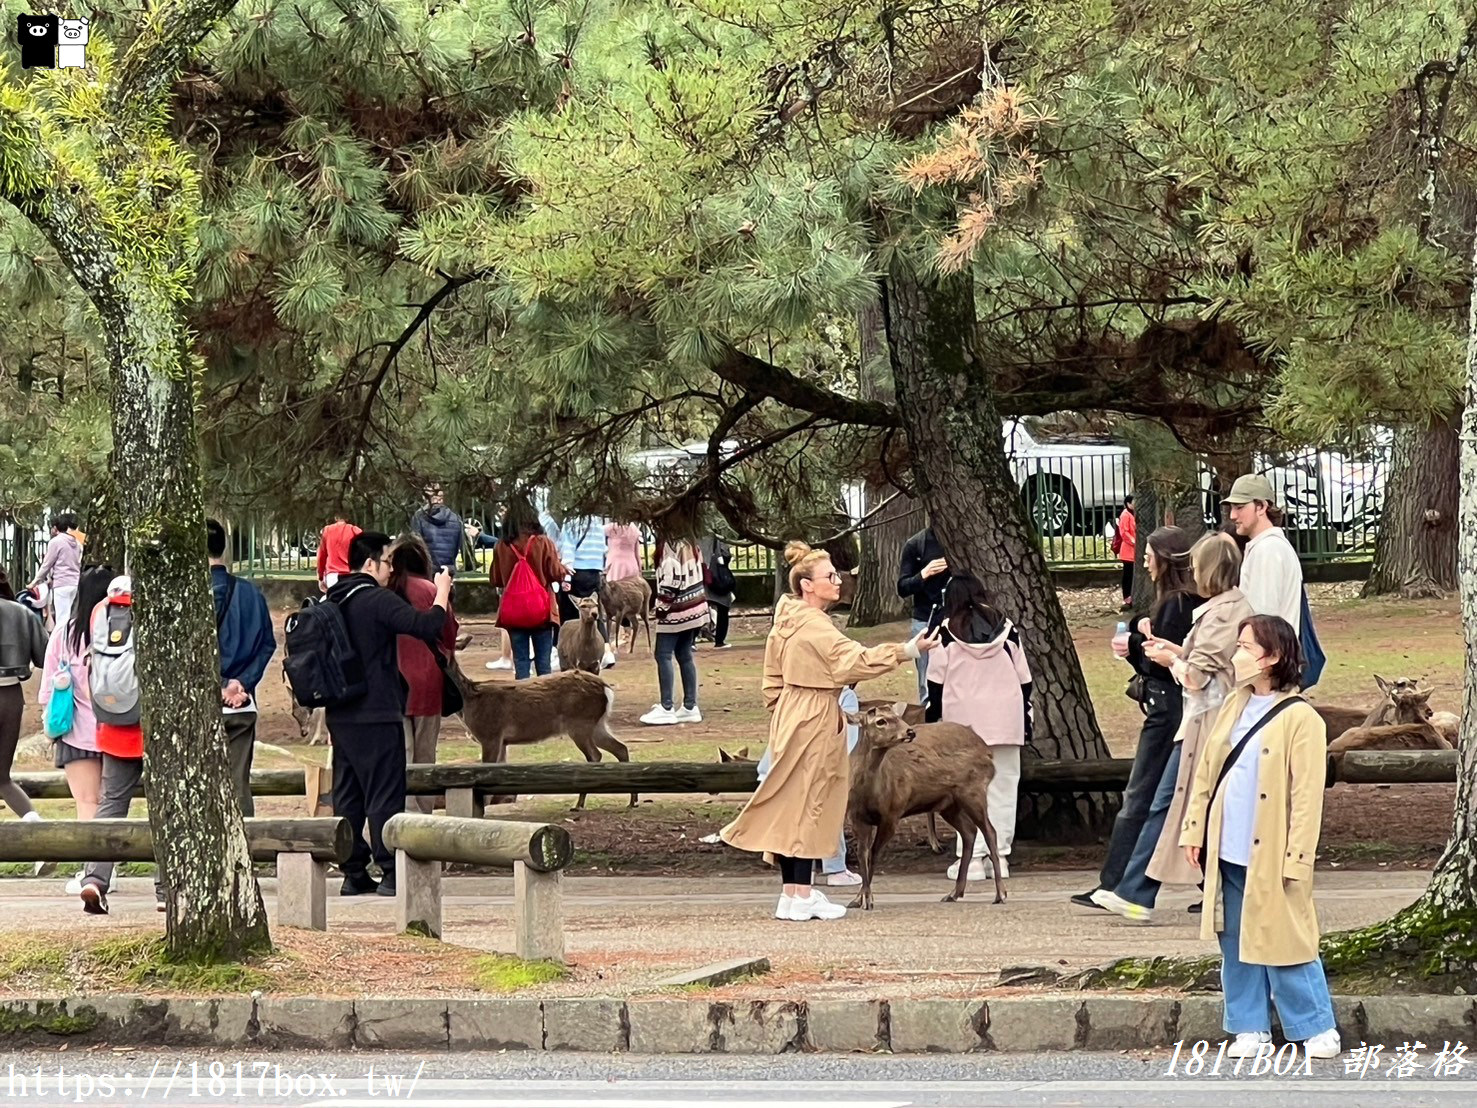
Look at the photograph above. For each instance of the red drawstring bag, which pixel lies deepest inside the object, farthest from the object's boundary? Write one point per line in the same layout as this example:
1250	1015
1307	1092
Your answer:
525	603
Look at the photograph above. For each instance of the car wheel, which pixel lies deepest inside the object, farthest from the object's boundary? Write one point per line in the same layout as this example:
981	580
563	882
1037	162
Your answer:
1053	506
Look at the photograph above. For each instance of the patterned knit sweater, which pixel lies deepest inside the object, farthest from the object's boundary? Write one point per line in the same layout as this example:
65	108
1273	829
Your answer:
681	599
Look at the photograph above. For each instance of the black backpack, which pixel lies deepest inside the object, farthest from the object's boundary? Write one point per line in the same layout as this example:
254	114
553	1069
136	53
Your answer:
322	666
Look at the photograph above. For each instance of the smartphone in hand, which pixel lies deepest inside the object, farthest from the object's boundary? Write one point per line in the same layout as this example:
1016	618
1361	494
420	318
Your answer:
935	620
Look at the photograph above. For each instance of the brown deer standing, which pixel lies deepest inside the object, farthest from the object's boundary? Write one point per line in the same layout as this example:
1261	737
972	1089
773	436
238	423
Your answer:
500	714
898	770
629	598
581	646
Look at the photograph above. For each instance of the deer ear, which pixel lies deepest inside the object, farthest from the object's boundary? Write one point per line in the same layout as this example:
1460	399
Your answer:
899	708
743	752
853	718
1384	685
1423	695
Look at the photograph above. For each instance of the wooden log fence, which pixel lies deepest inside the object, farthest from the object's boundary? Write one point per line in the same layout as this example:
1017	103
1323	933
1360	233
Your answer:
302	849
537	852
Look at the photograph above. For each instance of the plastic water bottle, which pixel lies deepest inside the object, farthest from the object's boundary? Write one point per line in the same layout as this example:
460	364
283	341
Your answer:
1120	638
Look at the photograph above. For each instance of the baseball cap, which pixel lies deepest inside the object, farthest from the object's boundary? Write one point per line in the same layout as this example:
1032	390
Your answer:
1249	487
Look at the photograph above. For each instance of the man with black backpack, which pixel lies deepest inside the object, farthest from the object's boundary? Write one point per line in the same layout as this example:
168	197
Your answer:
364	695
243	627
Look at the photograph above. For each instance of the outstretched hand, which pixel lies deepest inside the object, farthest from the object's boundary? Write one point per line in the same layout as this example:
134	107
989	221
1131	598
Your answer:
925	641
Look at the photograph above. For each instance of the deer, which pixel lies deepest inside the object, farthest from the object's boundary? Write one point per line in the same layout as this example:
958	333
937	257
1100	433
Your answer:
1403	703
1402	722
581	645
500	714
899	769
627	599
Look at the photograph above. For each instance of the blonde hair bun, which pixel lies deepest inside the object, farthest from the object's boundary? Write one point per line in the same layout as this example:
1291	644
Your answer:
796	551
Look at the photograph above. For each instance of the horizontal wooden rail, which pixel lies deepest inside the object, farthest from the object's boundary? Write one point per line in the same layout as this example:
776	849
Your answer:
131	840
1393	767
480	842
52	784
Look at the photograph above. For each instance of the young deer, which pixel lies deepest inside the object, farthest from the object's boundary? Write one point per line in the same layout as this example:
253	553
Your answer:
500	714
900	770
629	598
581	646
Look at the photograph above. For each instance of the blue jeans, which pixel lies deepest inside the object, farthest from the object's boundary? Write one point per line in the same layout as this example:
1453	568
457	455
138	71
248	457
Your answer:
540	642
1156	743
678	645
836	863
922	663
1137	887
1300	992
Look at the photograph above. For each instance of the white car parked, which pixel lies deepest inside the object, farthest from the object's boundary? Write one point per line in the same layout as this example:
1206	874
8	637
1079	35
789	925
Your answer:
1070	486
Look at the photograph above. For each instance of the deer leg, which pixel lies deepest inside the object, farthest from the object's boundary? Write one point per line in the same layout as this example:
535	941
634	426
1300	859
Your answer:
862	833
608	742
978	811
883	832
933	834
965	826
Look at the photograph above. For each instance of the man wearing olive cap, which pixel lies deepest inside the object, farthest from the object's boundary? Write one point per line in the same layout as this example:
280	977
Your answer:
1271	575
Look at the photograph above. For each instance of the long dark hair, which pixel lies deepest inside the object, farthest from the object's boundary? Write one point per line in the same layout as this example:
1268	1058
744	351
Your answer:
409	557
968	612
92	590
1171	548
520	521
6	592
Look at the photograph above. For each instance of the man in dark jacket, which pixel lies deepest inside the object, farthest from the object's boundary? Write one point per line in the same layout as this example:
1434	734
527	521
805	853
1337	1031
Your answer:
243	627
923	571
368	733
440	527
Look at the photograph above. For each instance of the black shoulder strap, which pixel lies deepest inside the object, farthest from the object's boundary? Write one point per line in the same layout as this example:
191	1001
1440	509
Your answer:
1230	761
220	616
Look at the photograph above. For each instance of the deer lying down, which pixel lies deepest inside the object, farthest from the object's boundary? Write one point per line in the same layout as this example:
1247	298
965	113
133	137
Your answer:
898	770
1402	722
500	714
1403	701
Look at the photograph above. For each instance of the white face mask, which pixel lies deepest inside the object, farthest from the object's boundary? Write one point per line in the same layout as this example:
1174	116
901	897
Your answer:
1247	668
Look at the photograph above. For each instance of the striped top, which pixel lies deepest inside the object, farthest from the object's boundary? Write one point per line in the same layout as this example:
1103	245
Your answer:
681	599
582	543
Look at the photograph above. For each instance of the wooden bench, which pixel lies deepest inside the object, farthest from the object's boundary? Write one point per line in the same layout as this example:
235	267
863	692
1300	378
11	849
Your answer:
537	852
302	849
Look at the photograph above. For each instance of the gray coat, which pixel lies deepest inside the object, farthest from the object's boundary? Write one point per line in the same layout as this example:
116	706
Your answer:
716	552
22	641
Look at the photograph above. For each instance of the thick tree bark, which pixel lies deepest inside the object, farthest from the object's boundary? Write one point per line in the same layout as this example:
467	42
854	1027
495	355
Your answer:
946	397
948	407
1415	554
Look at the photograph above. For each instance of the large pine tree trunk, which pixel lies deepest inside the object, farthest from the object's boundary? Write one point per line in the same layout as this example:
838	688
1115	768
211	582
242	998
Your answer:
946	398
883	536
1415	554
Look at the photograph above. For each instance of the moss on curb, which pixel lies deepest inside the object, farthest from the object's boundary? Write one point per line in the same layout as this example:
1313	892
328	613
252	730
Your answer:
503	973
50	1018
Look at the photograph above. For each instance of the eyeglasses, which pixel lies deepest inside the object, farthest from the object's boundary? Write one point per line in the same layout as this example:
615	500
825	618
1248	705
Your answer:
833	577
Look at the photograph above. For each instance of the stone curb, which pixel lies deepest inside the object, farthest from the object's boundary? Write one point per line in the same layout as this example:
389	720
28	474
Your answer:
663	1025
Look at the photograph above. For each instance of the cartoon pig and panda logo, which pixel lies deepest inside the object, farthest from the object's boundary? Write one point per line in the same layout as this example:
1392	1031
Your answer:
47	41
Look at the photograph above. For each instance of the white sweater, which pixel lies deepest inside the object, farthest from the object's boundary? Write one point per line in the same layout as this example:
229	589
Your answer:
1272	577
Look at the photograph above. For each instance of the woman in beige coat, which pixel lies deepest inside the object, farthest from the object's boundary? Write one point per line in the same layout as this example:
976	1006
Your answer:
1256	807
1202	666
797	812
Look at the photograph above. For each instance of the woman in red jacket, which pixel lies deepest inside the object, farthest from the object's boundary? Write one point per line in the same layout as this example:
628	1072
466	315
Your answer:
410	576
1127	540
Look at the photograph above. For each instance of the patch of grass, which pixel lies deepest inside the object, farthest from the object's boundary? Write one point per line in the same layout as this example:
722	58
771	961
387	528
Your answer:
40	963
68	869
503	973
143	961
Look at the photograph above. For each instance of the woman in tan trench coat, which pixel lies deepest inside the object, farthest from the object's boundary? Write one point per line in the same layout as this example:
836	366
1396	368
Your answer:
1257	806
797	812
1202	666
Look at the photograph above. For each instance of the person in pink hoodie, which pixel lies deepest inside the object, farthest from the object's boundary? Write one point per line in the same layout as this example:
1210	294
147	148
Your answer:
979	677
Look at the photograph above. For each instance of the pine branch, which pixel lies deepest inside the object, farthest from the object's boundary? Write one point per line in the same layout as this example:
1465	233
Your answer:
155	57
754	375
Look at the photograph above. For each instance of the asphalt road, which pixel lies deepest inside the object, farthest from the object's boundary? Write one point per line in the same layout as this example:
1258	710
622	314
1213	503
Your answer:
353	1080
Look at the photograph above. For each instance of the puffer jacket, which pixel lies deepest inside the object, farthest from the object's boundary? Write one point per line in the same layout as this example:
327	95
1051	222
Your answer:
441	528
22	641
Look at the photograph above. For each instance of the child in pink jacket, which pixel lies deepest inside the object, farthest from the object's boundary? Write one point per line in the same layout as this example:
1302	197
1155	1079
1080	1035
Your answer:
979	677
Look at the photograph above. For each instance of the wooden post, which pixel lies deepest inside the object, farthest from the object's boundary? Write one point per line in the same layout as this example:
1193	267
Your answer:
302	893
463	803
417	895
538	914
318	785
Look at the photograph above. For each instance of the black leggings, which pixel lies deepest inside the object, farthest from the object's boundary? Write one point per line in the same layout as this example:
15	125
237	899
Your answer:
1127	580
795	871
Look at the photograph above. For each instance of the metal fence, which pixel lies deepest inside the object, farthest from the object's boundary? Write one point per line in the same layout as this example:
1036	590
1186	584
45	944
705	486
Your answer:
1071	491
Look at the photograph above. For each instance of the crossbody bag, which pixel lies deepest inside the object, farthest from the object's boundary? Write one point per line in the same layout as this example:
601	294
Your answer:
1230	761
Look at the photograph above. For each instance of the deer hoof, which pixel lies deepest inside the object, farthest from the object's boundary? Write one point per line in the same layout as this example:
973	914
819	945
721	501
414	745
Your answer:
951	898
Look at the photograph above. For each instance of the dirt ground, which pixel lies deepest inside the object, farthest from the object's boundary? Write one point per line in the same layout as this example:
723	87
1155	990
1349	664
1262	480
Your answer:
1364	826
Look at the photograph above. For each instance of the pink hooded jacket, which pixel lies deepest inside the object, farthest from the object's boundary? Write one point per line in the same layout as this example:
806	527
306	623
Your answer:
984	686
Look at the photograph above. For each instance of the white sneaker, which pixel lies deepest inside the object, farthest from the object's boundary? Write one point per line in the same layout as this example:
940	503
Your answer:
1134	913
74	886
782	909
814	906
979	870
500	663
1247	1043
688	715
609	659
554	660
845	877
660	717
1325	1044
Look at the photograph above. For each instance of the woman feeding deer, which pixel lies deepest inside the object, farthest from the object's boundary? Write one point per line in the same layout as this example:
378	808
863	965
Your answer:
797	812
